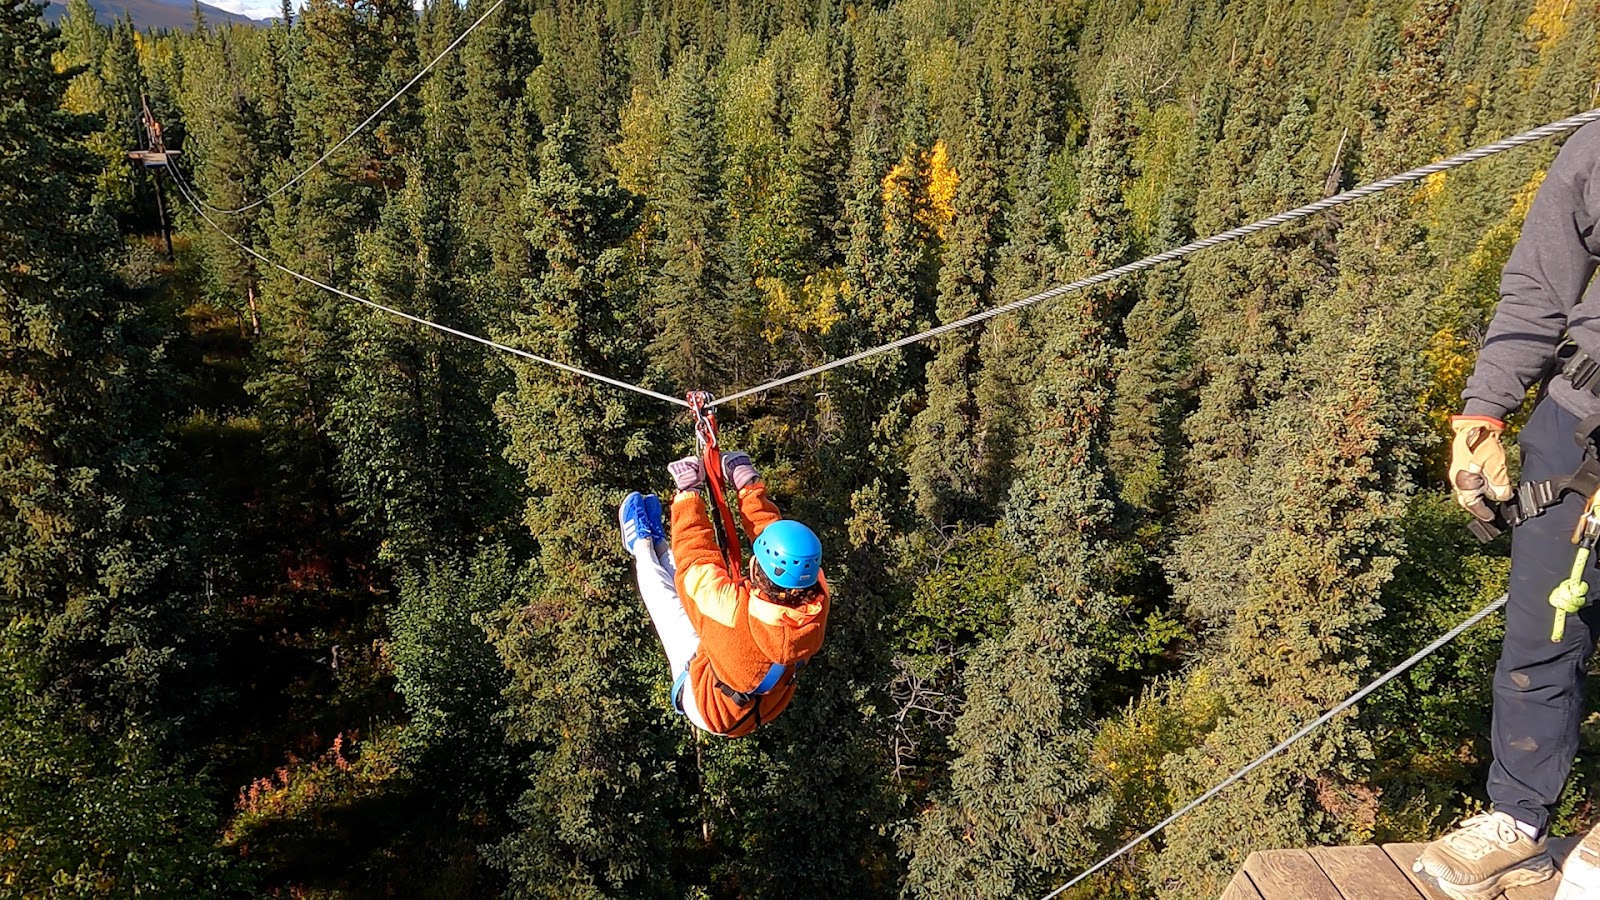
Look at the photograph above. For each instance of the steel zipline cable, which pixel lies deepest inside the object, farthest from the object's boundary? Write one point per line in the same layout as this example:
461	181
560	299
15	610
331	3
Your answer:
1310	209
183	188
364	122
1350	701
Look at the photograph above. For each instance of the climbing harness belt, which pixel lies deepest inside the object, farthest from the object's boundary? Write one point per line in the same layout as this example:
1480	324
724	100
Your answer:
1533	498
770	682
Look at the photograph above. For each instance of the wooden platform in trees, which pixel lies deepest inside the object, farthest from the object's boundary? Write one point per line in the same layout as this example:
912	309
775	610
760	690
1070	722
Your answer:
1356	873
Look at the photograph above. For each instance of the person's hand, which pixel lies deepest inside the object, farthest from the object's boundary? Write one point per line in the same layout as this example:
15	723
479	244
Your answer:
687	473
737	468
1478	464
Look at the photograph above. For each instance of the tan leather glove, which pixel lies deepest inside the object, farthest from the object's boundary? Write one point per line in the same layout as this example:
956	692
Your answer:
1478	464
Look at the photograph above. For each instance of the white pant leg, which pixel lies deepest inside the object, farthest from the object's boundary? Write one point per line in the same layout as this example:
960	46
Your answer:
677	634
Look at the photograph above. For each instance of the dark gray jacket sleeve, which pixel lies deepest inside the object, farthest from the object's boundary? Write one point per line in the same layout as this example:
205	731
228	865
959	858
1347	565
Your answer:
1543	282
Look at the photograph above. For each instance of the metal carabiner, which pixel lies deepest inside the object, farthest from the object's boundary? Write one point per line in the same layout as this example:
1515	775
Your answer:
705	420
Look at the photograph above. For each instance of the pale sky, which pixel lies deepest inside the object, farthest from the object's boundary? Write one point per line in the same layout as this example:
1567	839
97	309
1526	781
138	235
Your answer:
255	9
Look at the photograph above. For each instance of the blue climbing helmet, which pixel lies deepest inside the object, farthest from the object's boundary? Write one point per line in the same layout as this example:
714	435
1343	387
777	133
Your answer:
789	554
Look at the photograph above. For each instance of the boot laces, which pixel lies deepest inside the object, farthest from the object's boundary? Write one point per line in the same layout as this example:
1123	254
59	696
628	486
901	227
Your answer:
1483	834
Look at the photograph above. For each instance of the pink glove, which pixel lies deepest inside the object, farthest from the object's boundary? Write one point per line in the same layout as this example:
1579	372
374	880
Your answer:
737	468
687	473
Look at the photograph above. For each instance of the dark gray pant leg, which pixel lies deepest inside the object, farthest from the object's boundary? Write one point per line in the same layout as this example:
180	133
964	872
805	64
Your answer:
1538	685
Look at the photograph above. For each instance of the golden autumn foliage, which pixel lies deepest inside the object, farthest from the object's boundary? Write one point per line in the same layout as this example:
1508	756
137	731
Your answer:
1432	187
1449	357
933	172
815	306
1549	19
942	183
1130	749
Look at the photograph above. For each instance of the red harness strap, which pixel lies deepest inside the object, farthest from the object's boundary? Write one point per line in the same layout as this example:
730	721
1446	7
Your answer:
722	521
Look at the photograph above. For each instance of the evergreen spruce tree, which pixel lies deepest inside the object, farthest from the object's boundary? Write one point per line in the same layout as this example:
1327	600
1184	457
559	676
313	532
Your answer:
313	226
270	70
454	686
222	162
123	87
588	689
497	141
1026	72
948	457
818	150
1026	263
690	292
90	626
1244	299
1146	440
412	402
105	73
1022	807
580	75
1310	590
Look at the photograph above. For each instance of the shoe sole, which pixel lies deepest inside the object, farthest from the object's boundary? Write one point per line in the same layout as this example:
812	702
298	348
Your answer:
1529	871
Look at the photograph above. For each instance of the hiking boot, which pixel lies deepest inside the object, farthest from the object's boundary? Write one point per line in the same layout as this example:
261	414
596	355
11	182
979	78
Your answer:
1483	857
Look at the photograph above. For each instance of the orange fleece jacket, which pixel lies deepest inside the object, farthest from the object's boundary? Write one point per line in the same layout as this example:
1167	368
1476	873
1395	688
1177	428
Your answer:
741	632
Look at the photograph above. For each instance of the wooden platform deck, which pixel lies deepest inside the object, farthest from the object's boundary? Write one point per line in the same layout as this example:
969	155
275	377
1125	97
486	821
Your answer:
1356	873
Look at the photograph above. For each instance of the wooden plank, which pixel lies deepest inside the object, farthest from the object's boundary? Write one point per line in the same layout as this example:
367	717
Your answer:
1289	875
1240	888
1358	873
1364	873
1404	855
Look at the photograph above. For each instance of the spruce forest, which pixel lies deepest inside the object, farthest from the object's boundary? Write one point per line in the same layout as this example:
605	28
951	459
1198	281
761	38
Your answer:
302	600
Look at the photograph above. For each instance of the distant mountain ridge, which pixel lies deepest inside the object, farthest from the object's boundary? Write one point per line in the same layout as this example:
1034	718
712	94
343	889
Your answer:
168	14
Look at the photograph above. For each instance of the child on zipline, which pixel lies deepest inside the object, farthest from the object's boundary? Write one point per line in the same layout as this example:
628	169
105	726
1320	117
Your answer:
734	645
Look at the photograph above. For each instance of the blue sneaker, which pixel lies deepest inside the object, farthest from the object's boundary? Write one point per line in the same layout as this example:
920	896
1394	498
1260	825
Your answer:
640	518
652	505
634	520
